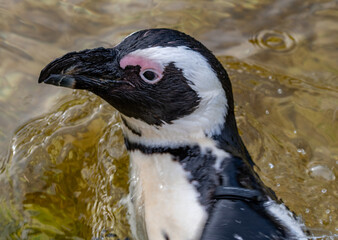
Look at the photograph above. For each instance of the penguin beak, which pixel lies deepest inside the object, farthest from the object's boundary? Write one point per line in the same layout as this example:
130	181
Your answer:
96	70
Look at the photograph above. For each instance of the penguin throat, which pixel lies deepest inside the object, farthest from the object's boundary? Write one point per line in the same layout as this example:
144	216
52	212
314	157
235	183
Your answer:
197	162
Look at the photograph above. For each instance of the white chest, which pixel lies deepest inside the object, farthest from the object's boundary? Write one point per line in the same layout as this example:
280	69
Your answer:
164	199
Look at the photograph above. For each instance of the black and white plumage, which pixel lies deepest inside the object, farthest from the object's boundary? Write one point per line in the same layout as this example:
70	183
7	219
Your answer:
191	175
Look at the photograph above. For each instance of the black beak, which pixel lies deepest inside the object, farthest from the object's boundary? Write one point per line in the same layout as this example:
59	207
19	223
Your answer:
94	70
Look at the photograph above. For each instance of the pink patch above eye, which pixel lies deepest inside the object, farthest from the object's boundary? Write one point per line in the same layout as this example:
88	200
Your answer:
144	63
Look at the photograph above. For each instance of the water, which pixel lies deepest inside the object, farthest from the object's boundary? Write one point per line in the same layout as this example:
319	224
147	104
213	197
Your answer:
63	166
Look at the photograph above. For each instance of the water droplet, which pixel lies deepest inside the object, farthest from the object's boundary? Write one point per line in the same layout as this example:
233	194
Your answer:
271	165
307	210
301	151
14	149
295	131
279	91
323	172
324	190
278	184
267	112
327	211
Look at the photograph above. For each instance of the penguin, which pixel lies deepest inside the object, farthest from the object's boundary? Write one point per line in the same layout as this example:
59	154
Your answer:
192	177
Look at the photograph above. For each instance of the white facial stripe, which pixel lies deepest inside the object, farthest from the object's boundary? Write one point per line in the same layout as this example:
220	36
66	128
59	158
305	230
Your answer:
207	119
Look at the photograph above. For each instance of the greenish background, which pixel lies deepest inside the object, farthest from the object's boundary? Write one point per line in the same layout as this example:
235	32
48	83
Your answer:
63	166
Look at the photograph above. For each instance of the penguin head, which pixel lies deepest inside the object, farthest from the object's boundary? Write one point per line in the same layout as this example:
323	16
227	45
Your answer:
163	82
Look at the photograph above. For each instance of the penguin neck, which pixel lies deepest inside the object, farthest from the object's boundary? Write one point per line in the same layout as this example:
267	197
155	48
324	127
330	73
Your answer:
183	131
209	163
230	141
238	170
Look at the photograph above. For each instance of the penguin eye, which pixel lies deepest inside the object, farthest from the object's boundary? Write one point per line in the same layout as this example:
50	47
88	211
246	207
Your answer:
150	76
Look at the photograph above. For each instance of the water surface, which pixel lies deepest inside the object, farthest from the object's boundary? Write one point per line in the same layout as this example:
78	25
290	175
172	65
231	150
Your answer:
63	166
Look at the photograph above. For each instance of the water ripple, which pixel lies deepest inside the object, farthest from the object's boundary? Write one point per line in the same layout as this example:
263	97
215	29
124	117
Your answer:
274	40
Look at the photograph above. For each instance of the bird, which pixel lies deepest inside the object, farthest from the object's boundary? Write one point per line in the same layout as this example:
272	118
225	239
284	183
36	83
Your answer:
191	176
